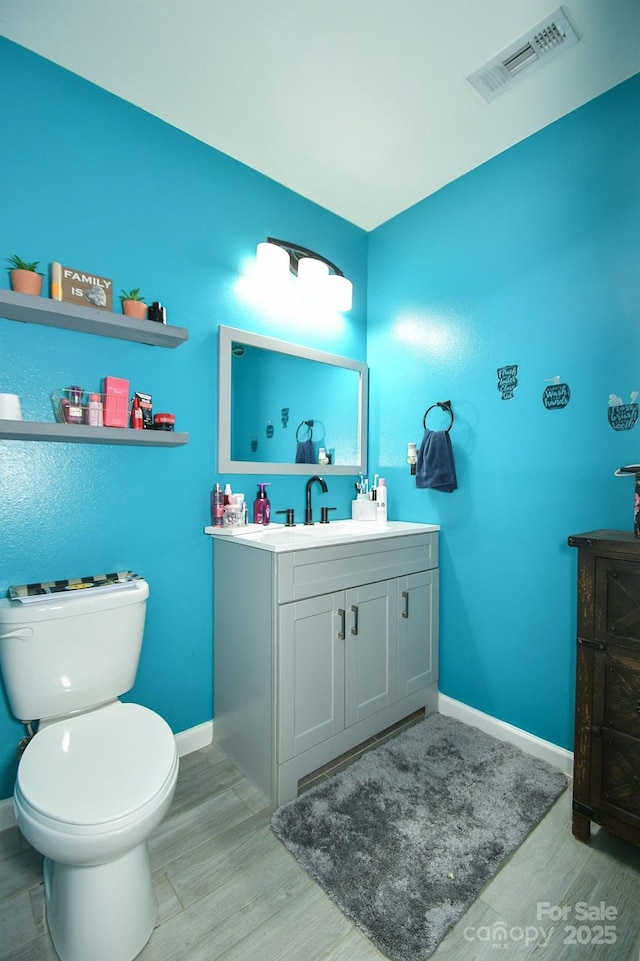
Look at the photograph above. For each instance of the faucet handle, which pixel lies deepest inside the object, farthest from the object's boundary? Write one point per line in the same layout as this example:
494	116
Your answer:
324	514
290	522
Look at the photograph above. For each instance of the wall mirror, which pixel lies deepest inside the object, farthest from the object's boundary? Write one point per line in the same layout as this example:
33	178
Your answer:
287	409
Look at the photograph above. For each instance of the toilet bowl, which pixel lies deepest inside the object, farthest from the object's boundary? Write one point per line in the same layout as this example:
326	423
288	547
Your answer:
89	791
99	774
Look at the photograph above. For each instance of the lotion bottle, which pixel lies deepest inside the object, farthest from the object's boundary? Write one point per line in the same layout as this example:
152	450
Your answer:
381	501
262	506
94	411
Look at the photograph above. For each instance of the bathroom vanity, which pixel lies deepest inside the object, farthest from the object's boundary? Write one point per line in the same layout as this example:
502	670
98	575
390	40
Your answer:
324	636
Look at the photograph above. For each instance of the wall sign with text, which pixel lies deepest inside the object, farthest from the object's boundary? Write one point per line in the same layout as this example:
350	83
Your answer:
507	380
80	287
555	396
623	416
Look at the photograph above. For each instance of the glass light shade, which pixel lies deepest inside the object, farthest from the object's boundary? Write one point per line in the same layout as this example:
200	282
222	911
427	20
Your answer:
312	273
340	292
272	261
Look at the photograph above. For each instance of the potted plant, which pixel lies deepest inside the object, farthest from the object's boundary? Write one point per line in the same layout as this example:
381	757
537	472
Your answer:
133	304
25	278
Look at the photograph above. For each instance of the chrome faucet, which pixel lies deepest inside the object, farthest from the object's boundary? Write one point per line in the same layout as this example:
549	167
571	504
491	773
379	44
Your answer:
308	515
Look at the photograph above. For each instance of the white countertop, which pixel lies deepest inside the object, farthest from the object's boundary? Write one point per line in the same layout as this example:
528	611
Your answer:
277	537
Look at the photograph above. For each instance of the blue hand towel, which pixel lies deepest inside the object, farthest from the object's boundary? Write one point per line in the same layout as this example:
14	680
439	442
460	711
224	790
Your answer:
435	467
305	453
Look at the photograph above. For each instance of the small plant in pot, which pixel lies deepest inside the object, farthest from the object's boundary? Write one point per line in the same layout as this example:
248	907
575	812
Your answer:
133	304
25	278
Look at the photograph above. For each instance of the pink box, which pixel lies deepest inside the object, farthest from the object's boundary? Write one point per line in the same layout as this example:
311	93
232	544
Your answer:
116	402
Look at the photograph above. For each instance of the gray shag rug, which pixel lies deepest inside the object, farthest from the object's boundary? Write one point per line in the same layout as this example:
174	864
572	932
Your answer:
406	837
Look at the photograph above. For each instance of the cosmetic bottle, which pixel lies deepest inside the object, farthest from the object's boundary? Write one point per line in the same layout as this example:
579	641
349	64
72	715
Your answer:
381	501
262	507
227	494
136	414
74	413
217	507
94	411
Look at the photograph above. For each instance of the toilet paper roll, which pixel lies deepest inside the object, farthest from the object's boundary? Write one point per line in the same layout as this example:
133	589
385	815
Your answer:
10	407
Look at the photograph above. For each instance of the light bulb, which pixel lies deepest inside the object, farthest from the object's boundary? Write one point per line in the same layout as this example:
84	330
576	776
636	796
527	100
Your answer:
272	261
312	273
340	292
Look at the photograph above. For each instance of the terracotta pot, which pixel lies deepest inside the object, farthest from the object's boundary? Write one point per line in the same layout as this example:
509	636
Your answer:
135	308
26	282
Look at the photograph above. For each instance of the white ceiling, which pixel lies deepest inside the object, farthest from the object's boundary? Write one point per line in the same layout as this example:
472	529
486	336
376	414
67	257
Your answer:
359	105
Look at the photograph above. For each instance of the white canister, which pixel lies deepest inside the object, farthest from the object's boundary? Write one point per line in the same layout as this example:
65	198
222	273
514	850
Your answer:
10	407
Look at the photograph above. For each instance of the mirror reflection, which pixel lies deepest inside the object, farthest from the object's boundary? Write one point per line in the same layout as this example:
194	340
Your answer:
284	408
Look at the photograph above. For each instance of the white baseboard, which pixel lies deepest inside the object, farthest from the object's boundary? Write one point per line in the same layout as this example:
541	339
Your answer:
194	738
559	757
186	742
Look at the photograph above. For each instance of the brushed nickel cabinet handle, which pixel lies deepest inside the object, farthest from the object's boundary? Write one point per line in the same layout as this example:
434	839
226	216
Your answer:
342	616
405	598
354	610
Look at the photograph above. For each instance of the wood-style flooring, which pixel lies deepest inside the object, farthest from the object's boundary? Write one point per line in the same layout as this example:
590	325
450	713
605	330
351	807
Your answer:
228	890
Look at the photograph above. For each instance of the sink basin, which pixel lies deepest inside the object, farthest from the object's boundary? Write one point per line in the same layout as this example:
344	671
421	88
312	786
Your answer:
273	535
343	529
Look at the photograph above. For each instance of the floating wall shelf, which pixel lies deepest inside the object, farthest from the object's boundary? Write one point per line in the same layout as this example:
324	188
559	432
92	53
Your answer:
89	320
82	434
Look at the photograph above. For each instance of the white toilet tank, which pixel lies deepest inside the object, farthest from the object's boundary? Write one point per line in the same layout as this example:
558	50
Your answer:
75	652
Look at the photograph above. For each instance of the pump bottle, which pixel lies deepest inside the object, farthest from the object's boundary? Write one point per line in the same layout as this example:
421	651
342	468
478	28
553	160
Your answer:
262	506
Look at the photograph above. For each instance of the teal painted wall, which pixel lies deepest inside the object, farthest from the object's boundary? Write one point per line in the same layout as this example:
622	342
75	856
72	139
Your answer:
532	259
95	183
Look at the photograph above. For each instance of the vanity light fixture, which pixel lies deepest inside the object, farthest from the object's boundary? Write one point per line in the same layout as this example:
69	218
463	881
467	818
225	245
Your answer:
319	278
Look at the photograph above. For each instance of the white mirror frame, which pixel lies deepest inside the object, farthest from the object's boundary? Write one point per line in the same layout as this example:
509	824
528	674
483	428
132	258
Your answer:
228	335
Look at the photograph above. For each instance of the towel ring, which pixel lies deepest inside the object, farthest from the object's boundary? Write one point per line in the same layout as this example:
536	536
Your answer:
305	423
444	405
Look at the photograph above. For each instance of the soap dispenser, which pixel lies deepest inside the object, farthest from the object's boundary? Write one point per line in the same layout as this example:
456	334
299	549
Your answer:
262	506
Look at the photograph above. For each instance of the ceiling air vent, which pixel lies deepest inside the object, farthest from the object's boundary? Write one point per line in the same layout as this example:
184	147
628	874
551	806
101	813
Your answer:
529	53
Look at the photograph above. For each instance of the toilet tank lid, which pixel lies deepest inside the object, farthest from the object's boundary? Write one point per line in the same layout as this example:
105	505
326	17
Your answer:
73	602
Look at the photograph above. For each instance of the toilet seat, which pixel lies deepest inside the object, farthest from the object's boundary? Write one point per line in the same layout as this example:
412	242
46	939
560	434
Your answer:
97	772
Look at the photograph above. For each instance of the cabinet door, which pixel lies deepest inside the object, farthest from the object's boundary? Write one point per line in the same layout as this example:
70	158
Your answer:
370	662
310	673
417	631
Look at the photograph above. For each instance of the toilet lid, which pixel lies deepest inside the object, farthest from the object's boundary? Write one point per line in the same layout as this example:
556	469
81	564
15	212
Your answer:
95	767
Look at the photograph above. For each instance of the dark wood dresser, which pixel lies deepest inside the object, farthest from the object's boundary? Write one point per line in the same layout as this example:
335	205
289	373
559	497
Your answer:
606	767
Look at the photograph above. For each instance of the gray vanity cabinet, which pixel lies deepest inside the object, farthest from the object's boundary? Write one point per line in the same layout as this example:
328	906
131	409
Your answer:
336	664
328	647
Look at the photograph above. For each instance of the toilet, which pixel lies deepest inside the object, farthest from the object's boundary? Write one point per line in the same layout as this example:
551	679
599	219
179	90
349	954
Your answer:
99	774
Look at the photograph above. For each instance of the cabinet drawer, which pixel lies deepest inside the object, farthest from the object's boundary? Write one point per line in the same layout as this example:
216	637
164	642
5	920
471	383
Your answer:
616	692
617	602
616	761
301	574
